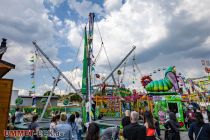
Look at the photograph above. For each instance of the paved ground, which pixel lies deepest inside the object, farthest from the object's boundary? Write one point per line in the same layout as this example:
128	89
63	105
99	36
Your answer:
183	135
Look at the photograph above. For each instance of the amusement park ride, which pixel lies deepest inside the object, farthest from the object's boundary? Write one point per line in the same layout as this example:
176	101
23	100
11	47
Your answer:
111	100
160	96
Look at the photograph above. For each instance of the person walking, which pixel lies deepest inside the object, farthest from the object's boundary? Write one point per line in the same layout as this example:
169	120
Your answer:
205	114
150	126
93	108
74	127
199	128
87	106
157	127
93	132
190	115
58	116
126	120
18	115
78	121
52	128
172	127
63	128
134	131
35	127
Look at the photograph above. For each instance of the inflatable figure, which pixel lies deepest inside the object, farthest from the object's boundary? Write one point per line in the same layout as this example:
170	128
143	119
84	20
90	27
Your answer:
165	84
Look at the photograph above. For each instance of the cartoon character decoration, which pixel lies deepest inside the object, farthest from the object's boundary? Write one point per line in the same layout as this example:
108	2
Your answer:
160	110
162	116
145	80
162	85
207	70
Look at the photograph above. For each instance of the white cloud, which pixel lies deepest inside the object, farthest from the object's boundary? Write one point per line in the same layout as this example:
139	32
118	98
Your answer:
127	27
22	92
74	34
196	9
56	2
57	21
20	56
111	5
122	29
56	62
23	23
75	76
84	7
69	60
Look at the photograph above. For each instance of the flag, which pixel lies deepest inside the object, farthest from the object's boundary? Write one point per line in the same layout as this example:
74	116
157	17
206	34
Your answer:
93	69
34	111
85	65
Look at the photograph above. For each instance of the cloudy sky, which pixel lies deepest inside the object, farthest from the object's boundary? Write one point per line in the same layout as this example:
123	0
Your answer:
164	32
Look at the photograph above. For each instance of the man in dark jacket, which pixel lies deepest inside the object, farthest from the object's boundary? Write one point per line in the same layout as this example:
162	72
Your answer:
134	131
199	128
126	119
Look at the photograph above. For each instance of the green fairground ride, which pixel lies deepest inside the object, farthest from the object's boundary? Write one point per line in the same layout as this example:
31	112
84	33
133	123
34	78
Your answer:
165	95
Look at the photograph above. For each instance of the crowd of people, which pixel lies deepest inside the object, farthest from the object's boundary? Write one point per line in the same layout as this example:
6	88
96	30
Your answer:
69	127
62	126
135	126
143	126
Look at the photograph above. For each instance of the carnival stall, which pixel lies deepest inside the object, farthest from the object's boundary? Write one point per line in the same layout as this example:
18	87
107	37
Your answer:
165	94
109	106
168	103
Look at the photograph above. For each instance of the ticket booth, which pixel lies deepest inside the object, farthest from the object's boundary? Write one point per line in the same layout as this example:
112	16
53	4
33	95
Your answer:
168	103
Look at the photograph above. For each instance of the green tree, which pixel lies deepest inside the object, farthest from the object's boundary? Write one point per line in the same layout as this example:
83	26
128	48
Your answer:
47	93
18	101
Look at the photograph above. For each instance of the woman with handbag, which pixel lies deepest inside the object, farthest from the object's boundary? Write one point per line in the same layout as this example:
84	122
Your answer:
199	128
172	127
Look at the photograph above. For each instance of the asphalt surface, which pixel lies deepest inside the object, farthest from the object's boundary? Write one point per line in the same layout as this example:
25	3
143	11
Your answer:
183	135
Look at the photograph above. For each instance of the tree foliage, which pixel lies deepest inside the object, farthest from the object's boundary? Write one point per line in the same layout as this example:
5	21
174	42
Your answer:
47	93
19	101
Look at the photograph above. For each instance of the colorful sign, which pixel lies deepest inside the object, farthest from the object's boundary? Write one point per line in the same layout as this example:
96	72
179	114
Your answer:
109	105
171	103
